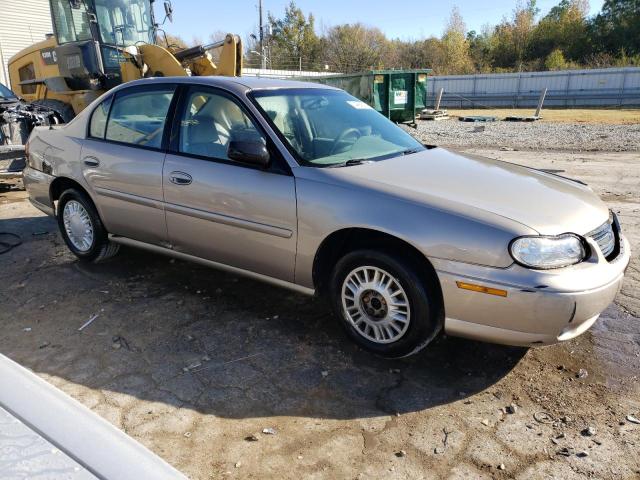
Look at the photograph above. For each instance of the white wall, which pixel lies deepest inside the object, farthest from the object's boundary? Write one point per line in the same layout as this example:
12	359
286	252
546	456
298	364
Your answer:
22	23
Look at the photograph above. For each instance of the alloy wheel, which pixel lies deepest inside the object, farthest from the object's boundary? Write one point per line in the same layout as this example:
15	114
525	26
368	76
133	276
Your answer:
376	304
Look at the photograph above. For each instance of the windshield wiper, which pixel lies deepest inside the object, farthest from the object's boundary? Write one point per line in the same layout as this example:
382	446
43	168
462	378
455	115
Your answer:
353	161
411	150
348	163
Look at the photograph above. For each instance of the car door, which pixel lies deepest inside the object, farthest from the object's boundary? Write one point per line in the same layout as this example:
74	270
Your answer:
219	209
122	161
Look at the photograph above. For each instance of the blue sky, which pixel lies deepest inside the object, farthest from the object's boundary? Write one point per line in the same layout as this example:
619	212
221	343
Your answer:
407	19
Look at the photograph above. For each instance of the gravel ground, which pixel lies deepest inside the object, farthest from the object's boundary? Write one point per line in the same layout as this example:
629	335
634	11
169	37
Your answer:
531	135
196	363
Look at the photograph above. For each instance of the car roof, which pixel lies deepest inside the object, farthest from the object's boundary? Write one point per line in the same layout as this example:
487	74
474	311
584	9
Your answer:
231	83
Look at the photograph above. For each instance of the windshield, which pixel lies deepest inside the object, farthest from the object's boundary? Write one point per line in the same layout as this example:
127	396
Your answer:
124	22
6	93
120	22
330	127
71	22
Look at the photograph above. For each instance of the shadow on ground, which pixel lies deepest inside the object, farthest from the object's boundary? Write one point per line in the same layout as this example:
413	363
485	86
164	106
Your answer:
192	337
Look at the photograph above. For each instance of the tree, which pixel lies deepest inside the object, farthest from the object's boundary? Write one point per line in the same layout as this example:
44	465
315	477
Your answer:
565	27
353	48
293	39
455	45
426	53
556	61
616	29
513	36
523	24
564	38
480	49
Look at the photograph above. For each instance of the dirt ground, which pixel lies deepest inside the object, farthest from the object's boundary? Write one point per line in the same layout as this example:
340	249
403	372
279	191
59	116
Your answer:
193	362
612	116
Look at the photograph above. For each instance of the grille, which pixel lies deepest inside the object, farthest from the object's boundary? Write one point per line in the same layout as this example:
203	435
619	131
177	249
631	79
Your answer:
604	237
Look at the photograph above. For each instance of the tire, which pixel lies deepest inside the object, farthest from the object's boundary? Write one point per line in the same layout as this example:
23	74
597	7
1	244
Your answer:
99	247
420	290
64	111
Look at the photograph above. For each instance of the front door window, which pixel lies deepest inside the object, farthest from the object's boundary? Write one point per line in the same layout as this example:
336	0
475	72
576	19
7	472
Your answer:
210	121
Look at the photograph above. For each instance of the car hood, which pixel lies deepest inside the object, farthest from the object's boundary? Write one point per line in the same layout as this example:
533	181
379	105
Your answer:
474	186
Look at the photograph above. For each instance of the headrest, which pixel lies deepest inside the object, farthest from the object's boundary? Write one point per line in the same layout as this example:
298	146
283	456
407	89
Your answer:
202	129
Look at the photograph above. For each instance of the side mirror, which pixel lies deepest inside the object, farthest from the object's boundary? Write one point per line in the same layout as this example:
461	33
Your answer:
168	10
250	152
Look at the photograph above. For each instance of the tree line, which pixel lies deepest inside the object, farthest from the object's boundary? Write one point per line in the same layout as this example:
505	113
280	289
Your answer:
566	37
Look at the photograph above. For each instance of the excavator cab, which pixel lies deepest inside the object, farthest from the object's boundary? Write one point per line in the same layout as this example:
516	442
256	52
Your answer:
92	36
98	44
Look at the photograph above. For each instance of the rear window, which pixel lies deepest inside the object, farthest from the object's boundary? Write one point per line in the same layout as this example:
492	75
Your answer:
138	118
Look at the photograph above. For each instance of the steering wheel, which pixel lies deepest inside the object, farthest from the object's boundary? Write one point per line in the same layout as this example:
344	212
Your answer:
342	138
124	29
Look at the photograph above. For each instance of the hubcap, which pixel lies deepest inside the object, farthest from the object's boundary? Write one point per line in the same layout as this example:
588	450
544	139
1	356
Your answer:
375	303
77	225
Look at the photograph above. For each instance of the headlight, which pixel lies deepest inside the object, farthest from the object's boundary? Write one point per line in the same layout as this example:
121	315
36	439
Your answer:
548	252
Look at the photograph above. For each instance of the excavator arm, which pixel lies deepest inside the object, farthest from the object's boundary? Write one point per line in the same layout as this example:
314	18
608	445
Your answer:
157	61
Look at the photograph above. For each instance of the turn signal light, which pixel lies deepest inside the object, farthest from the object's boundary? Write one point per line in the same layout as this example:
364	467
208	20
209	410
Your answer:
481	289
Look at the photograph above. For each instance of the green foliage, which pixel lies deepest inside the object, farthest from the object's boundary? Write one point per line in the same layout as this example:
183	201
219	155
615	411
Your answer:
556	61
617	27
512	37
455	46
564	38
293	38
352	48
566	28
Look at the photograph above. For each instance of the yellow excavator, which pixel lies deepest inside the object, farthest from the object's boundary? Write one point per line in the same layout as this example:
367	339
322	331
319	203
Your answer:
96	45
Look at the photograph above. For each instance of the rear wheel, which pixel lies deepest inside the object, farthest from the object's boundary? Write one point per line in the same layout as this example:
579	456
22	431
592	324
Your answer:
82	229
385	305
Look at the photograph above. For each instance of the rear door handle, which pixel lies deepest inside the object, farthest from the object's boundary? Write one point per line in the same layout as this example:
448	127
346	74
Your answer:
180	178
91	161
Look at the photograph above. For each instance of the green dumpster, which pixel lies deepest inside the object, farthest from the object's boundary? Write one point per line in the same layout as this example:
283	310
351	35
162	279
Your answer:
397	94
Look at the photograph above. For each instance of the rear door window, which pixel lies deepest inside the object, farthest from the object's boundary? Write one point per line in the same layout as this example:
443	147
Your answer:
99	116
139	117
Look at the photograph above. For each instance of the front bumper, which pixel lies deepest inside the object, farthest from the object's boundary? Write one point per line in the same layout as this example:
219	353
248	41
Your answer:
541	307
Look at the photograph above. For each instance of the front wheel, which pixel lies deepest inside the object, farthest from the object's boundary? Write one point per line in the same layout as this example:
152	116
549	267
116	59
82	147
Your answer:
82	229
385	305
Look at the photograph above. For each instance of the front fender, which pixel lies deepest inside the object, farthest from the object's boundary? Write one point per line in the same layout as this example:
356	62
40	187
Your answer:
326	208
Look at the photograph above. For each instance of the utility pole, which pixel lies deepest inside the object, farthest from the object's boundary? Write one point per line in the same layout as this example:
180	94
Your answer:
263	58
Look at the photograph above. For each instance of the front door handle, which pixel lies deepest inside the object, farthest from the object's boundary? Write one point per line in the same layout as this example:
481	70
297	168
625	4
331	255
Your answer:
180	178
91	161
